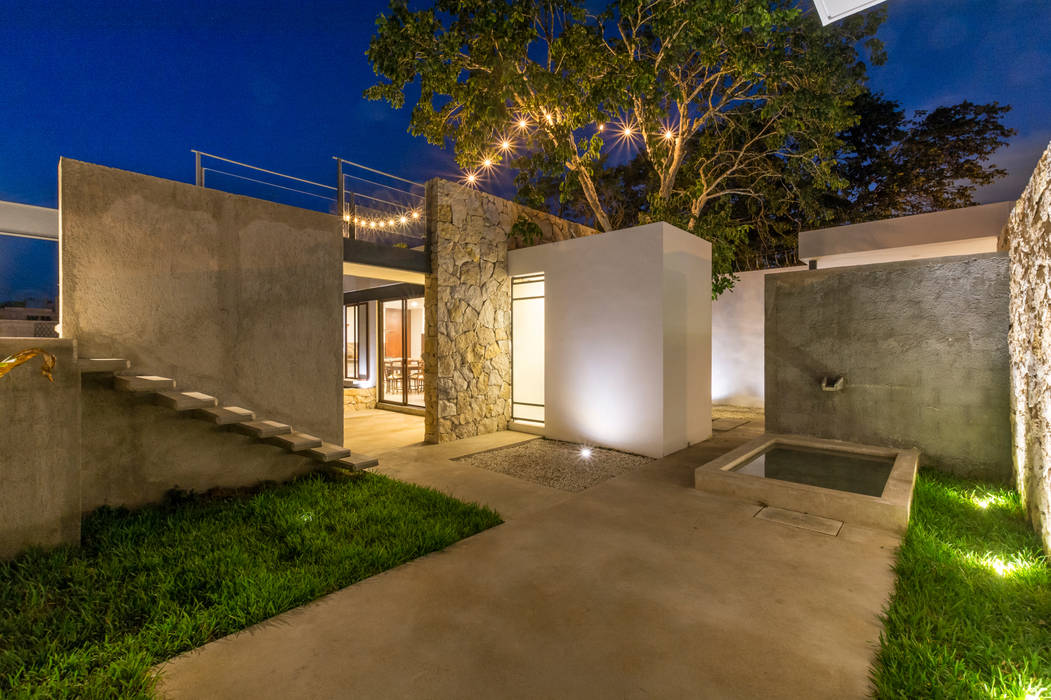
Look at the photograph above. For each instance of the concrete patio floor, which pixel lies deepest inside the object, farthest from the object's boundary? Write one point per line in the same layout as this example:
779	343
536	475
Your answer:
638	587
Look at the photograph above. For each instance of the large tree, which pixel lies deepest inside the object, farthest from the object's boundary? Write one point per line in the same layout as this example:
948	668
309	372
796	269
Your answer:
726	100
895	165
888	164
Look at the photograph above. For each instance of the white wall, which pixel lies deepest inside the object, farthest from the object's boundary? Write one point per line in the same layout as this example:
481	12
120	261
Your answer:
954	227
738	340
28	220
627	321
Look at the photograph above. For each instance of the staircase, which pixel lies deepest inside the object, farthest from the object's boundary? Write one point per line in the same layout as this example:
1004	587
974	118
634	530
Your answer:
334	458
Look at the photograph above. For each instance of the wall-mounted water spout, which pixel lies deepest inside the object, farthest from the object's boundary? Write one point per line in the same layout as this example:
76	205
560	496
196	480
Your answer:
833	383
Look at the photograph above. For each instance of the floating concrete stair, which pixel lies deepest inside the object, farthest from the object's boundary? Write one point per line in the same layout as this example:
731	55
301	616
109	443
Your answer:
185	400
263	428
328	452
96	365
338	460
226	415
296	442
356	462
142	383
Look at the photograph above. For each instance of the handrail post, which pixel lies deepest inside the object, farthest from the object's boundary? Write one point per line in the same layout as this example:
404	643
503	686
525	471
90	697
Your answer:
341	207
198	170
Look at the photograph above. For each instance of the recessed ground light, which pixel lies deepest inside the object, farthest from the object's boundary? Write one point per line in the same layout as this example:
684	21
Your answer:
585	452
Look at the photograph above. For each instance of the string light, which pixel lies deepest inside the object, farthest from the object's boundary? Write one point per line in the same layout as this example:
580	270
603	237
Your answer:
505	145
601	127
416	215
668	135
487	163
523	124
403	219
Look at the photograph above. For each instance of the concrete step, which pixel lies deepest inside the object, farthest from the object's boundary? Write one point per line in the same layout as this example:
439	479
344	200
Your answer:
328	452
262	428
89	365
142	383
226	415
185	400
356	462
295	442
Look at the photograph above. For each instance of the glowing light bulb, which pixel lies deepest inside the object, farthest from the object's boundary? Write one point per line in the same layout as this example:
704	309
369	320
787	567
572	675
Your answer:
601	127
471	178
346	217
390	222
403	219
487	163
505	145
416	215
522	124
550	119
372	224
668	135
585	452
627	131
382	223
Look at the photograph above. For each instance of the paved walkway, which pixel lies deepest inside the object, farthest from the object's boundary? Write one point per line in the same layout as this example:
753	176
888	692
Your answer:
640	587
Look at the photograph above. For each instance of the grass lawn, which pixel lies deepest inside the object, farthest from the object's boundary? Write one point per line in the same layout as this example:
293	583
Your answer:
971	612
90	621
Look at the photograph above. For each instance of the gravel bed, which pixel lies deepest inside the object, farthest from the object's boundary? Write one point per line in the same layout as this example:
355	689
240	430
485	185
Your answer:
556	464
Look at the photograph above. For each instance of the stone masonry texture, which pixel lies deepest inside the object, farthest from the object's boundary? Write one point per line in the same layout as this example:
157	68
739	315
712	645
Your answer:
468	308
1027	237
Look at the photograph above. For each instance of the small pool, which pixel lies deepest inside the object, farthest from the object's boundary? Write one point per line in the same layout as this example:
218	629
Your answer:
861	484
828	469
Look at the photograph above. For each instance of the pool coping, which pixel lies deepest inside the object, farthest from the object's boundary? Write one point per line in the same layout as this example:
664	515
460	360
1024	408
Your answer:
888	511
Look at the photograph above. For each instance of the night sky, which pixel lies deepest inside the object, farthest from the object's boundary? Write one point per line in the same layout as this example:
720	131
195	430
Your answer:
135	84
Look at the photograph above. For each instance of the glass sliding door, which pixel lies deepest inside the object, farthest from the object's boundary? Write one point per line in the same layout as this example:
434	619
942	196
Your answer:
401	352
356	341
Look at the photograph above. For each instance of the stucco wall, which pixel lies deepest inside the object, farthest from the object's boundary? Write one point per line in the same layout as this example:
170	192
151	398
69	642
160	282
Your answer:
468	308
922	346
1028	237
229	295
39	449
627	337
738	318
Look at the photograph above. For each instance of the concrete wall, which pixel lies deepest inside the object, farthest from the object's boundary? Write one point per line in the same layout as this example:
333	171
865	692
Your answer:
627	337
467	301
738	320
1028	237
134	451
39	449
923	348
236	297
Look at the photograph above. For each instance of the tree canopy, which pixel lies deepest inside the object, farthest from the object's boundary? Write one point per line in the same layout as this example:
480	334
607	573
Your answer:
730	109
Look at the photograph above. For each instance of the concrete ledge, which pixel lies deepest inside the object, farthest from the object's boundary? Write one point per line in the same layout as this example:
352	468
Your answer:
889	511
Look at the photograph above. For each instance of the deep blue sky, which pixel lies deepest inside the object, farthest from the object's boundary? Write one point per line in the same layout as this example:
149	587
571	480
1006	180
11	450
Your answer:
135	84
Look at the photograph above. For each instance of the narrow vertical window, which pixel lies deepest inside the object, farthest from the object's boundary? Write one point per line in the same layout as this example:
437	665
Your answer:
527	349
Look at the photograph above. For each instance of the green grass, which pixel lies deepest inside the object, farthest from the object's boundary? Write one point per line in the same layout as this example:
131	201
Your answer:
971	612
144	586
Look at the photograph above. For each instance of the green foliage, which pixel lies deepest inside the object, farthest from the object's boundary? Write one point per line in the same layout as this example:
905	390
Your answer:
90	621
526	232
896	166
971	612
735	105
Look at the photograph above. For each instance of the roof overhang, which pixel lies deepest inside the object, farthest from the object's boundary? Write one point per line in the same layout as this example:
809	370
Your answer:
833	10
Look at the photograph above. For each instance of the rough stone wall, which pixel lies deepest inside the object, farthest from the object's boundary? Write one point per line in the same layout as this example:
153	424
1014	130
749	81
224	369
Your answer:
922	345
359	399
468	308
1027	236
39	449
